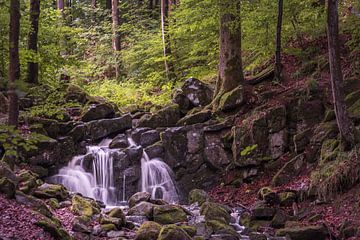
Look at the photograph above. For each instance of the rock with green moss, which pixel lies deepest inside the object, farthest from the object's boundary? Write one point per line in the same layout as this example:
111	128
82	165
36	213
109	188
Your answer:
268	195
191	230
27	181
98	111
117	213
198	117
199	196
287	198
7	187
231	100
142	209
169	214
352	98
219	227
215	211
329	150
51	191
108	227
304	233
166	117
55	231
280	218
53	203
118	222
84	206
148	231
34	203
138	198
173	232
76	94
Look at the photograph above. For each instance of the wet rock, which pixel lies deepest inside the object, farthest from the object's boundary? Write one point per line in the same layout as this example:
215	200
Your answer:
120	141
304	233
138	198
175	144
51	191
173	232
149	137
166	117
148	231
156	150
193	93
198	117
142	209
199	196
169	214
136	133
84	207
96	112
231	100
135	153
7	187
257	236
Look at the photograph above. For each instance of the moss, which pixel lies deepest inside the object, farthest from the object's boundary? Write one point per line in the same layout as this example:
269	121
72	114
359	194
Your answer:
354	110
214	211
54	230
199	196
189	230
231	100
329	150
287	198
169	214
352	98
53	203
82	206
173	232
148	231
220	227
108	227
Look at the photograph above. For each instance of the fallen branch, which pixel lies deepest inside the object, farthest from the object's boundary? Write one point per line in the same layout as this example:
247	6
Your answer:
267	74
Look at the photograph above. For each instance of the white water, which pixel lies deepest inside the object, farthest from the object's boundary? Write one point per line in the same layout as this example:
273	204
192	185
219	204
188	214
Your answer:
99	184
156	178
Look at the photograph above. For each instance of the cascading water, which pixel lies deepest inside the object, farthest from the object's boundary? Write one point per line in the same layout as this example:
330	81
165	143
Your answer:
156	178
100	183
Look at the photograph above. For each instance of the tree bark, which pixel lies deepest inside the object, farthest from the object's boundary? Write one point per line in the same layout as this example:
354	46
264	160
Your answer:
278	65
345	125
116	35
14	62
33	67
169	67
230	67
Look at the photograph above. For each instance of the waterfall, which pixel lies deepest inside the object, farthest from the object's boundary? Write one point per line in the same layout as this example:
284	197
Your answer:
157	178
99	184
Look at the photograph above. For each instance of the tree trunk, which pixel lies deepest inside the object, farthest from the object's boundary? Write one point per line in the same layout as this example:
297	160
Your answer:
345	125
278	65
169	67
116	35
61	7
33	67
94	6
14	62
230	66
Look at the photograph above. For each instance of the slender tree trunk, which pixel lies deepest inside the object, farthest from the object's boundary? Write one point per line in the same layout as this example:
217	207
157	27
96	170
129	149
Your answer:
169	67
14	62
61	7
278	65
33	67
116	35
94	6
345	125
230	66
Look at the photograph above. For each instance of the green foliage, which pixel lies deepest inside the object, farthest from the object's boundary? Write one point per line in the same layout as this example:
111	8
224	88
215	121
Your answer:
247	151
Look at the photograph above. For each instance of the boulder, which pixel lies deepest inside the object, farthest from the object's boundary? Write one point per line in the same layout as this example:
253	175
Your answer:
278	143
193	118
142	209
199	196
214	151
166	117
173	232
7	187
169	214
84	207
76	94
289	170
51	191
287	198
148	231
34	203
280	218
263	213
138	198
231	100
304	233
97	111
120	141
302	139
219	227
118	222
55	231
156	150
269	196
215	211
117	213
149	137
193	93
276	118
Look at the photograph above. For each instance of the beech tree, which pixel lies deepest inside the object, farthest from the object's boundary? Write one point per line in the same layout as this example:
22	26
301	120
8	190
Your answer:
116	34
14	62
345	125
230	73
278	65
33	67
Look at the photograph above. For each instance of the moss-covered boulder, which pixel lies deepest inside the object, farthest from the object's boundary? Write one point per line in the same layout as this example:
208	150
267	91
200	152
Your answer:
191	230
118	222
51	191
27	181
287	198
117	213
173	232
198	117
268	195
97	111
169	214
84	207
166	117
199	196
329	150
7	187
142	209
55	231
215	211
304	233
148	231
219	227
34	203
76	94
231	100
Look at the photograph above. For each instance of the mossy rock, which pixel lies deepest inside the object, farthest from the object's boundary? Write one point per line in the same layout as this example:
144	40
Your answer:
117	213
191	230
52	191
287	198
268	195
232	99
76	94
199	196
169	214
215	211
84	207
55	231
329	150
139	197
290	170
142	209
27	181
352	98
219	227
53	203
194	118
7	187
34	203
108	227
304	233
148	231
173	232
166	117
118	222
